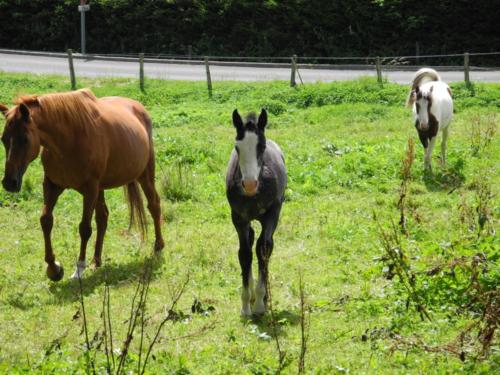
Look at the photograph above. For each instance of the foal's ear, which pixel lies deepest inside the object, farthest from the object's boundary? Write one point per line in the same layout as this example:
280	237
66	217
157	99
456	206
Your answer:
237	121
3	109
25	112
261	124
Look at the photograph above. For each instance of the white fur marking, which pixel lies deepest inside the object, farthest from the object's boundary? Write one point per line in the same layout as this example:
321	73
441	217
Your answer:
80	268
247	294
247	147
259	306
423	113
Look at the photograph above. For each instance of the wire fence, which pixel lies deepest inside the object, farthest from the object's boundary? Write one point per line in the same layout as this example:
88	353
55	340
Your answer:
378	63
300	58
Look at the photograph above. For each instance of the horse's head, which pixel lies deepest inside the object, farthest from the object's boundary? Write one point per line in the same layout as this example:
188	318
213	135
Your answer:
423	103
250	145
22	144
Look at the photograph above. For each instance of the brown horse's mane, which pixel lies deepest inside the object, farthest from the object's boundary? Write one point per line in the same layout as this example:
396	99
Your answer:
77	108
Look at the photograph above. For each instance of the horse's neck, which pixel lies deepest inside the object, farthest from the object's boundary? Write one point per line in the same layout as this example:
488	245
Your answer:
54	135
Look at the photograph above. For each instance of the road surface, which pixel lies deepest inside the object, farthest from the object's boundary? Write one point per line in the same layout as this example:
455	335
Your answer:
103	68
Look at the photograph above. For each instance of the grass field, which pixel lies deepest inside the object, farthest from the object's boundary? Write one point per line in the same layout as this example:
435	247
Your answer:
344	145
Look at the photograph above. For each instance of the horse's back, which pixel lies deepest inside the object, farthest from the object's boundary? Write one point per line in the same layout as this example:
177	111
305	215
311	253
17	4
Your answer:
424	75
132	106
127	129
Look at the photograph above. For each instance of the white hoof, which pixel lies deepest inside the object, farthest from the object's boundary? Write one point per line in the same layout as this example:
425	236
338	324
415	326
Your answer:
259	308
80	268
247	297
245	302
246	312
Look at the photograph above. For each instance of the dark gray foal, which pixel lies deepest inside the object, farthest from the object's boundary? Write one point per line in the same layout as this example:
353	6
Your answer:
255	187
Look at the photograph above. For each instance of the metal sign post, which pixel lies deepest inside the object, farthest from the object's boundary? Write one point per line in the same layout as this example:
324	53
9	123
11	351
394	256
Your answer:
82	9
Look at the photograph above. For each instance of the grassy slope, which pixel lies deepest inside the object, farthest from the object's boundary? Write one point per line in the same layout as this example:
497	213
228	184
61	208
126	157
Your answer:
327	231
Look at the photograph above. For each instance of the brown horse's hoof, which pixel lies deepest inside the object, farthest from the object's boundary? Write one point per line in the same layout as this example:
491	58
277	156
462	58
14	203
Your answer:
96	263
159	245
55	271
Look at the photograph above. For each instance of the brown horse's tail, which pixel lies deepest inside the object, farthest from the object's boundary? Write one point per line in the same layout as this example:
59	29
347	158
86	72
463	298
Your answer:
137	214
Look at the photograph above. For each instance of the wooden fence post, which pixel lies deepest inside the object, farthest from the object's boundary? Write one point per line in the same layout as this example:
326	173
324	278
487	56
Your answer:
379	70
141	71
209	79
294	69
71	69
466	69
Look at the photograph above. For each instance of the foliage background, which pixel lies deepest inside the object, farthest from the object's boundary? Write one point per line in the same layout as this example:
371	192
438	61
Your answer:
255	27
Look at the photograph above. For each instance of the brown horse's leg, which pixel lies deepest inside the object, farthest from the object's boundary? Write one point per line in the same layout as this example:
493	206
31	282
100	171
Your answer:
101	219
90	193
51	193
147	181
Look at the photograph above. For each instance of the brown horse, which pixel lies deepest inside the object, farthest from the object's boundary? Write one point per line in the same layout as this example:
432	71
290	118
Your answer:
89	145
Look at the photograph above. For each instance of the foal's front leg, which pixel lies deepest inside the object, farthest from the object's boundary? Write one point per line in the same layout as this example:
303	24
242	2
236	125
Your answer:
51	193
265	246
90	193
246	238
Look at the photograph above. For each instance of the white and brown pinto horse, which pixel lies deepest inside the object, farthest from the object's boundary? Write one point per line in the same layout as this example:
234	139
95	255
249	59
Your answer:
433	110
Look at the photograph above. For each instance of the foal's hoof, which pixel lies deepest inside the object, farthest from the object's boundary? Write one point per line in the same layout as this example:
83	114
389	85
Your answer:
259	309
246	312
55	272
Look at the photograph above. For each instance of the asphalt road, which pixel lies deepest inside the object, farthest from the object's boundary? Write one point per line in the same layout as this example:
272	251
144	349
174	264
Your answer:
101	68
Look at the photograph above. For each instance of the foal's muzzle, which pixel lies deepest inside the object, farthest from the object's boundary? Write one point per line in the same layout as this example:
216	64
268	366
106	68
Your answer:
250	187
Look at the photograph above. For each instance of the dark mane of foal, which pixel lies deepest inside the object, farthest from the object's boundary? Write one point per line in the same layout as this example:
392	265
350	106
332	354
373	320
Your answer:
78	108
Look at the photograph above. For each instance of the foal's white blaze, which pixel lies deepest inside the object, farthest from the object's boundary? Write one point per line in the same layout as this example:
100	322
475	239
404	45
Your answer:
80	267
249	166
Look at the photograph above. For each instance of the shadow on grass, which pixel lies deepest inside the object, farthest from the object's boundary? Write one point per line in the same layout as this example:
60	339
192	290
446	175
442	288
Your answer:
449	178
113	274
282	319
19	302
